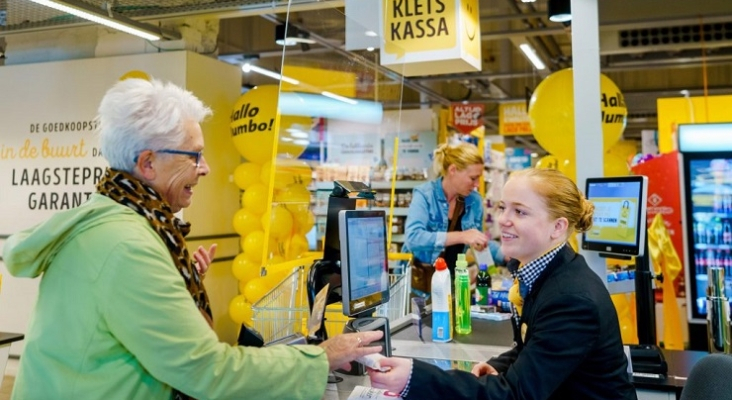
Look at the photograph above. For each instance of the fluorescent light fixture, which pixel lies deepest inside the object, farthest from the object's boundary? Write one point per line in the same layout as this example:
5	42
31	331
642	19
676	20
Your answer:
297	133
528	1
124	24
316	106
339	98
262	71
531	55
371	33
559	10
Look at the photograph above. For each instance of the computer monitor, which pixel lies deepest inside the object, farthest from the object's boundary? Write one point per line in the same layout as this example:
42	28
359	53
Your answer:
619	221
364	262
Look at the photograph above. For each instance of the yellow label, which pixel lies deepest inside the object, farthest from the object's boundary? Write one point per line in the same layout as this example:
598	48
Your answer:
419	25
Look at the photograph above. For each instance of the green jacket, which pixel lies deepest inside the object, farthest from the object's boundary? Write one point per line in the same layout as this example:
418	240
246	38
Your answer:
114	320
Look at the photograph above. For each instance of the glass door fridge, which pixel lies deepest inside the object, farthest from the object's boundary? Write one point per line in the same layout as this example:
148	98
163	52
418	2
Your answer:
705	152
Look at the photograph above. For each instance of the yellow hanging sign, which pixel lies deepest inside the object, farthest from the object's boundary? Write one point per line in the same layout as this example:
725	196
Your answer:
427	37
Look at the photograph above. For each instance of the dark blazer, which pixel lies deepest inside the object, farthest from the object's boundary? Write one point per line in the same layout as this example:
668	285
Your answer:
572	348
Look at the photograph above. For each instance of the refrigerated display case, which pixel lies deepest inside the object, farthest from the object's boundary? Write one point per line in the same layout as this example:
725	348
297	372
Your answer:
705	161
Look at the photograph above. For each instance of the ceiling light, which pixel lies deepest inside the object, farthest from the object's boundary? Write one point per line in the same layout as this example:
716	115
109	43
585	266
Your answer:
262	71
559	10
298	133
339	98
107	18
371	34
369	48
290	35
528	1
531	55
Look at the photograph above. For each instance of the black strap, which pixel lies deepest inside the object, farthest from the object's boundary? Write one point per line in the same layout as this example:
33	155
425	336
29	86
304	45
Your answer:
456	213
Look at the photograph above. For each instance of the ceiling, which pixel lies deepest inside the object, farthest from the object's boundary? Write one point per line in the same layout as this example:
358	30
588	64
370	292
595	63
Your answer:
649	48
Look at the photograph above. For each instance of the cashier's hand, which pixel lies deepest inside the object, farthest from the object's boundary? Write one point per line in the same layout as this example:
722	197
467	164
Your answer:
396	378
346	347
483	368
475	239
204	258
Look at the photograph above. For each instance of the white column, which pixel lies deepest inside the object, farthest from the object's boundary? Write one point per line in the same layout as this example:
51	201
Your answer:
587	120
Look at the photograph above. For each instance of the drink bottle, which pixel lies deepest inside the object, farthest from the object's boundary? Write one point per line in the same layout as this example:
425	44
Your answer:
462	296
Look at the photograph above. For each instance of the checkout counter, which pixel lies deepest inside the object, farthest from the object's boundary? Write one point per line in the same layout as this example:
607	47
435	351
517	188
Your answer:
490	338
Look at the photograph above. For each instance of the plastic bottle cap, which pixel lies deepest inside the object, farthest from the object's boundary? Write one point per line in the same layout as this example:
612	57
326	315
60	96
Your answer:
461	262
440	264
483	267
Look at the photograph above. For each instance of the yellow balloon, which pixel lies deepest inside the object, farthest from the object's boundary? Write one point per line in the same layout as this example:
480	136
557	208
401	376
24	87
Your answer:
280	222
295	197
297	245
287	172
547	162
304	222
551	113
255	290
135	73
240	310
254	199
246	222
616	158
568	168
253	123
276	259
253	245
245	269
247	174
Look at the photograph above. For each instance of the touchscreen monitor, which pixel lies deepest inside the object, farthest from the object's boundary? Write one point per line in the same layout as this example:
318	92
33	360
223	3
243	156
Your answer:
619	221
364	262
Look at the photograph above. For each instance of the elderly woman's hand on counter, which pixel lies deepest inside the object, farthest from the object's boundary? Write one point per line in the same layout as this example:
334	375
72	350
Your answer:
344	348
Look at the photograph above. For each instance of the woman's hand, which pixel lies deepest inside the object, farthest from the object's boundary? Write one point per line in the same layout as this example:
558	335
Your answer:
483	368
396	378
346	347
475	239
204	258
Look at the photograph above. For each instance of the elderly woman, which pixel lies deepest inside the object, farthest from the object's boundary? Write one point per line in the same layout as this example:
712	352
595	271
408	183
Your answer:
122	311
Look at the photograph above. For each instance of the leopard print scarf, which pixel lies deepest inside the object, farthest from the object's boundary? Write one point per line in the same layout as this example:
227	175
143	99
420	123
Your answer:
129	191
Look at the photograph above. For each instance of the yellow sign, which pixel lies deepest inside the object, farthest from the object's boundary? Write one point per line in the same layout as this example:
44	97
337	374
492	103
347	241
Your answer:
513	119
680	110
427	37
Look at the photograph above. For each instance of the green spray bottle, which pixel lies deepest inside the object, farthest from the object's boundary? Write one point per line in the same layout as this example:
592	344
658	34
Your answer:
462	296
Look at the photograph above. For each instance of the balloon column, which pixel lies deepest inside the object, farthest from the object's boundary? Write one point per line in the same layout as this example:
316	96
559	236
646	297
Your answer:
551	116
275	213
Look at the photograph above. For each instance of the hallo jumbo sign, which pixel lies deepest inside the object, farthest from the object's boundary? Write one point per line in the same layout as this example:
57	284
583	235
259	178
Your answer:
430	37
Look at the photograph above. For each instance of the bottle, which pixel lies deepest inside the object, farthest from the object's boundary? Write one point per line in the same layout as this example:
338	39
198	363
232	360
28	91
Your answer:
483	286
462	296
441	302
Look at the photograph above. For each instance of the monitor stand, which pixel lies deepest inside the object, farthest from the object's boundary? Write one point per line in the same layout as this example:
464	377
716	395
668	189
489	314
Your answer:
364	324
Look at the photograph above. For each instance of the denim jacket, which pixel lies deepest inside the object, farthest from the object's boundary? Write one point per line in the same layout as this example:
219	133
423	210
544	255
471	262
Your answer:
427	222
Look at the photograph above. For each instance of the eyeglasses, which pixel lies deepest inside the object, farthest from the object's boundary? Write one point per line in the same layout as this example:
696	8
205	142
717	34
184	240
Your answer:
197	154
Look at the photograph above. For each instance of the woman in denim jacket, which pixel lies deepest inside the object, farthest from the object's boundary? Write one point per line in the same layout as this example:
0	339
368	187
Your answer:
459	168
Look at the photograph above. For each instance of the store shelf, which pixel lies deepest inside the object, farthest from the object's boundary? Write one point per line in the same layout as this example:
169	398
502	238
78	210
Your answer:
397	238
376	185
626	286
398	211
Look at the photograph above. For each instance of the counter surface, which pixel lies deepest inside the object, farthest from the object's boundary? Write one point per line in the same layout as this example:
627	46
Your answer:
490	338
